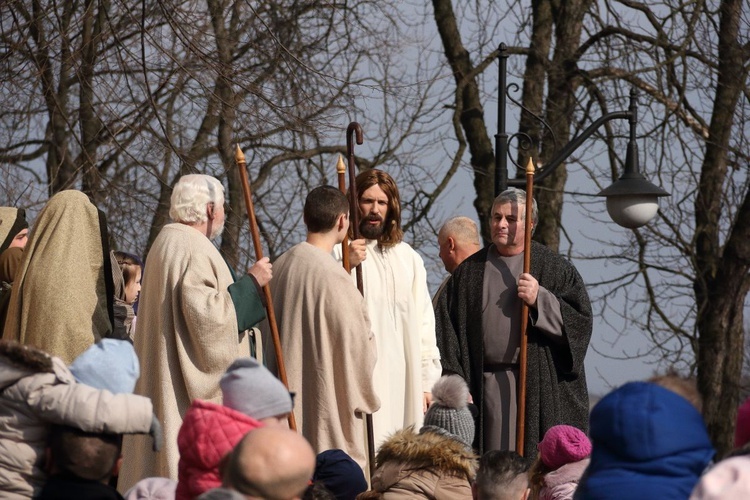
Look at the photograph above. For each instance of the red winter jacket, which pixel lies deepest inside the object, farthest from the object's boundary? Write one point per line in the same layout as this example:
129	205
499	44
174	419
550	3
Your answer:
209	431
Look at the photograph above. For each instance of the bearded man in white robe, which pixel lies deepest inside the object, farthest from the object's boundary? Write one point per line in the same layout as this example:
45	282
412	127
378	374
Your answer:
399	305
327	343
191	320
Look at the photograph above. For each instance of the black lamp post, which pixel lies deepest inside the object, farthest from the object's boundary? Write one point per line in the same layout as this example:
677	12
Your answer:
631	201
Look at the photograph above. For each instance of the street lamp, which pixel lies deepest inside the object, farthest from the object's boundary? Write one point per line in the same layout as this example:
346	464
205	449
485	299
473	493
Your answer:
631	201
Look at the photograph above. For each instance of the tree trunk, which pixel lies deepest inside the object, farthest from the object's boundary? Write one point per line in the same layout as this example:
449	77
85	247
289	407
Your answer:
472	113
722	275
88	119
560	105
225	47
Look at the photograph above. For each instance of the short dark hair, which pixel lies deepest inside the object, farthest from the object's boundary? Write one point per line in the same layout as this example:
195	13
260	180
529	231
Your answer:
318	491
85	455
323	206
497	471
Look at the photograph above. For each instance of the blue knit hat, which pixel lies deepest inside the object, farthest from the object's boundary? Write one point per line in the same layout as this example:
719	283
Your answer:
109	364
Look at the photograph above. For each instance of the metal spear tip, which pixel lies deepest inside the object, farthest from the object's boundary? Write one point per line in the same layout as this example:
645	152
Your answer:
530	167
340	165
239	156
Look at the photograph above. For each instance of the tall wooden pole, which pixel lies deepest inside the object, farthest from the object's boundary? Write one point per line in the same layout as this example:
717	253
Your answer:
521	416
353	129
239	158
341	173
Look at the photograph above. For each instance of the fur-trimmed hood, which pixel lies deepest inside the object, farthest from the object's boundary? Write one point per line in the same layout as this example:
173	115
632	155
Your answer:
428	450
426	465
18	361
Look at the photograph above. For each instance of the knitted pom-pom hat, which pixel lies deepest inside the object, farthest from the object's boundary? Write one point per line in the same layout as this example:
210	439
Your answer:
449	413
563	444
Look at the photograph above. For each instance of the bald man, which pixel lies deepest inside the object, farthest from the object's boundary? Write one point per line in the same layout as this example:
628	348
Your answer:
458	239
270	463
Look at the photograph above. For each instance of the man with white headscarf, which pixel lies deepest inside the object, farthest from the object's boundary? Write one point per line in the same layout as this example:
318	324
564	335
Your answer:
191	320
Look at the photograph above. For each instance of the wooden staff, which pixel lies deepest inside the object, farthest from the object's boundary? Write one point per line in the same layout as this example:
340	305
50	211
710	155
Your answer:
239	158
341	171
353	198
353	128
521	417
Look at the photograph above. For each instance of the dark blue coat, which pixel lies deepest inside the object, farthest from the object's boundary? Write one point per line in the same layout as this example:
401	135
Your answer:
649	443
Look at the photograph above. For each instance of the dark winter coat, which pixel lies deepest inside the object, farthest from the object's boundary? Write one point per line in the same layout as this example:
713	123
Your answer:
556	391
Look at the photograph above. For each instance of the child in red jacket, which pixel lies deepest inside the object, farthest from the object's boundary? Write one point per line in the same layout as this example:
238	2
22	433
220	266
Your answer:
253	398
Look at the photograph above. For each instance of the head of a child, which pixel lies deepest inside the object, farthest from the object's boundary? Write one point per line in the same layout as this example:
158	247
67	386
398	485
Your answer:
502	475
561	445
131	267
248	387
84	455
110	364
449	414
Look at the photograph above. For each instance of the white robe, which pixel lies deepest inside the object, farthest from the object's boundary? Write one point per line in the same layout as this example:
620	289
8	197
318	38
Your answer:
403	321
328	347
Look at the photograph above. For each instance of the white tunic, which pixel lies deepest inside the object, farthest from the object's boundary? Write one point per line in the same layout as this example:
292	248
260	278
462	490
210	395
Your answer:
403	321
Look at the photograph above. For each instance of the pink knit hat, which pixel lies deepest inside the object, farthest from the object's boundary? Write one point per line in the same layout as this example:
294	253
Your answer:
563	444
742	430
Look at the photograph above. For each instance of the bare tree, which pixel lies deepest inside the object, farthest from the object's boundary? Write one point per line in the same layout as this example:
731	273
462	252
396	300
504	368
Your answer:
121	98
684	278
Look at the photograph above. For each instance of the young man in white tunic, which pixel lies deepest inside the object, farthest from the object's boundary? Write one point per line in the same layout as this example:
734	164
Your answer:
328	347
399	305
191	320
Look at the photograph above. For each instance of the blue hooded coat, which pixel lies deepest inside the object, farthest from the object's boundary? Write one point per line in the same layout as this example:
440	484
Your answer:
648	442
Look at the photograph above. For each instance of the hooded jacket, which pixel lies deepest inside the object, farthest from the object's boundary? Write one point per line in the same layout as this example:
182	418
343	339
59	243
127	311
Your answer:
561	484
648	442
209	431
425	465
37	390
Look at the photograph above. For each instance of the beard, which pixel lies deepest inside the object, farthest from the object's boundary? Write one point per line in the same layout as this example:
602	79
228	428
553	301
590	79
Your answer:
370	231
216	231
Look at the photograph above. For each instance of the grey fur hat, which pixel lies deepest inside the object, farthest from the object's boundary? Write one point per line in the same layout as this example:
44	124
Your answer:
449	414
